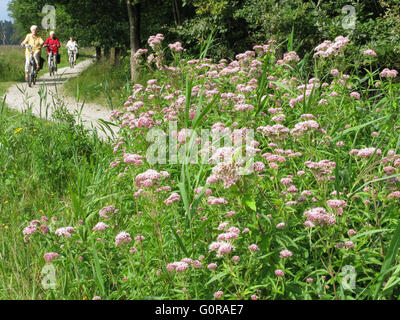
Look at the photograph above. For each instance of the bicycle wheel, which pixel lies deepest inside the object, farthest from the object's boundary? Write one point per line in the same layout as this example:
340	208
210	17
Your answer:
28	76
51	65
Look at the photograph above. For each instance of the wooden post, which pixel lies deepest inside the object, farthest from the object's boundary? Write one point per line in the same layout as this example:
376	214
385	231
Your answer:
112	56
98	53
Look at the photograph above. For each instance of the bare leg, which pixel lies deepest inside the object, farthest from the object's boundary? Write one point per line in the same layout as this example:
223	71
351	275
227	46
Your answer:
26	68
37	59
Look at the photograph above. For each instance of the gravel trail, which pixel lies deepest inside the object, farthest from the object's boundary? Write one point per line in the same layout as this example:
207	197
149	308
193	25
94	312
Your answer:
48	90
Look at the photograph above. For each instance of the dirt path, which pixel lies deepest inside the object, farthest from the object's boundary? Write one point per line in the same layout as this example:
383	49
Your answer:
41	97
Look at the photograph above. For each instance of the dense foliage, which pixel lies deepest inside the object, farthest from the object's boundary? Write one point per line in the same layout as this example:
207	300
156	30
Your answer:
238	24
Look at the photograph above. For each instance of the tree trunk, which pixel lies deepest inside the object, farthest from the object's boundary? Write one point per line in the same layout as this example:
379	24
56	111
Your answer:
175	11
134	34
117	55
98	53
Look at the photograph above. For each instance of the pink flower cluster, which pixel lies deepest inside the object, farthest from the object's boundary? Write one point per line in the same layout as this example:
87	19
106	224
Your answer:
177	46
337	204
66	231
323	168
122	237
387	73
149	178
49	256
328	48
279	273
302	127
178	266
109	209
288	57
33	227
253	247
133	158
369	52
222	247
100	226
206	192
277	131
365	153
139	53
319	216
347	244
227	172
285	254
230	234
394	194
214	201
155	41
174	197
183	265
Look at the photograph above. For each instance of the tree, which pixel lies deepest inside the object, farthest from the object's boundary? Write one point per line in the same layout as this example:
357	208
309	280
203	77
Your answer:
3	32
26	13
9	34
133	7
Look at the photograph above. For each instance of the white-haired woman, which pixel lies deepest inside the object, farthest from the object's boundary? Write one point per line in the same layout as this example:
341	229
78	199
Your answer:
72	47
34	40
52	43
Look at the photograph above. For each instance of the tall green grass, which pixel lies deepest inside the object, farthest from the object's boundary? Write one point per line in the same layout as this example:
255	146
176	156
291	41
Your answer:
41	164
102	83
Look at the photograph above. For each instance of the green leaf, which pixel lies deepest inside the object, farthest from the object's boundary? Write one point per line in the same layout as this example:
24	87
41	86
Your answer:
97	270
181	245
389	258
251	203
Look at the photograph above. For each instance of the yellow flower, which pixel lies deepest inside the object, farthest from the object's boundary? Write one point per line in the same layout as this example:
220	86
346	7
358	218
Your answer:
5	201
34	130
17	130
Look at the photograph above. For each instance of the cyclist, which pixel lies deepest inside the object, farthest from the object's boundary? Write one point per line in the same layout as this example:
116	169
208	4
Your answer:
72	47
34	40
52	43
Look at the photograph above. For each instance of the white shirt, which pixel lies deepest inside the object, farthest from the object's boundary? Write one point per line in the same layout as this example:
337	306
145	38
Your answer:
72	46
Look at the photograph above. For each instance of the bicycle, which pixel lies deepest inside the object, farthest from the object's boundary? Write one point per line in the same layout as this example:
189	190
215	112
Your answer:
32	72
72	61
51	61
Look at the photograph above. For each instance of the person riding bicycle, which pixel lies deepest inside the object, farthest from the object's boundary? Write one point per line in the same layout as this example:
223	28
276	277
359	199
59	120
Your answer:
72	47
34	40
52	43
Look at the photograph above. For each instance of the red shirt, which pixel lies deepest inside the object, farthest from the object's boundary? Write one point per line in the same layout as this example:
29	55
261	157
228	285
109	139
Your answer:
53	45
